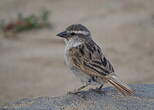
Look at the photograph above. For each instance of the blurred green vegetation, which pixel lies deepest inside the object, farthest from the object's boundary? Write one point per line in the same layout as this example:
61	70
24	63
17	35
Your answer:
25	23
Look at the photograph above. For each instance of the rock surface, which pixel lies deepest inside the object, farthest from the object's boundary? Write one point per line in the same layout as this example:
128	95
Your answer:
108	99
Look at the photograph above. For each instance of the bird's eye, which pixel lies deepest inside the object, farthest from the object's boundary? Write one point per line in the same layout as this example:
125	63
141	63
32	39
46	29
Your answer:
72	33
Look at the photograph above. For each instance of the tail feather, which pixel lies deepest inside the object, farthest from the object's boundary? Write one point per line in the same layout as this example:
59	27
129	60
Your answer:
120	85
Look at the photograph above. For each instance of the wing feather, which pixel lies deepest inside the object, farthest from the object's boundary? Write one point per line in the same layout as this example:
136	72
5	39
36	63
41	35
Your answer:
89	58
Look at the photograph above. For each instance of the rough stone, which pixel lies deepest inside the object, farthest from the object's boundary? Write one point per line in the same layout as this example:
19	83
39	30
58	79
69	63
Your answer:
107	99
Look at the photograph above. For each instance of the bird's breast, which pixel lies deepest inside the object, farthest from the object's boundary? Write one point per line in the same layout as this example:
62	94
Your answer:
69	45
66	57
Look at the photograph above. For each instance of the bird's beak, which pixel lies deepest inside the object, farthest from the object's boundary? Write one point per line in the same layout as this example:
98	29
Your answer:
62	34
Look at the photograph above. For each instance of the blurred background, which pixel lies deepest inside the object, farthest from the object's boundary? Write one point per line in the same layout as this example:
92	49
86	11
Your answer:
32	63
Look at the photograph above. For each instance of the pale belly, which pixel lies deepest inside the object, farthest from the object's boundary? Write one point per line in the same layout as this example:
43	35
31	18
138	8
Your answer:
83	77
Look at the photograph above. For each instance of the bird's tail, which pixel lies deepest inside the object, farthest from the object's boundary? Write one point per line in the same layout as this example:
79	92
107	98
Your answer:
120	85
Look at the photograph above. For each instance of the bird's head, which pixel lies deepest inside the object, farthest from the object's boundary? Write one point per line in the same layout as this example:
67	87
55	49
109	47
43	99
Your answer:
75	31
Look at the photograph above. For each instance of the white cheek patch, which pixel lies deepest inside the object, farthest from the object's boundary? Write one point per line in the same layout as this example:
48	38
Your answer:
77	44
80	32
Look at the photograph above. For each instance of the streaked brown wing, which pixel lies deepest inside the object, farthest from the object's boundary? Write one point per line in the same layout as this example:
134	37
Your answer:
89	58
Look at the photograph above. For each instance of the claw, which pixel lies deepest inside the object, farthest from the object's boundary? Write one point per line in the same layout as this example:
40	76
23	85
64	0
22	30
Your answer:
72	92
98	89
77	90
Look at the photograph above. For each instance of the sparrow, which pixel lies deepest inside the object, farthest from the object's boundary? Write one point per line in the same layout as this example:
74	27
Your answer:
87	61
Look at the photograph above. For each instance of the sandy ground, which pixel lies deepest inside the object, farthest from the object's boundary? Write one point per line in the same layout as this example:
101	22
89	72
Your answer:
32	64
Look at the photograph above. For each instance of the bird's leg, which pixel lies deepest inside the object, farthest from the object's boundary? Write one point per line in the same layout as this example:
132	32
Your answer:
79	89
82	87
100	87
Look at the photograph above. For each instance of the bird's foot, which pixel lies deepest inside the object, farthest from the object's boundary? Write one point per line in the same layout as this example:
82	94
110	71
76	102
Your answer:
99	89
73	92
77	90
